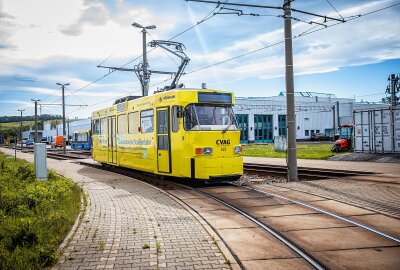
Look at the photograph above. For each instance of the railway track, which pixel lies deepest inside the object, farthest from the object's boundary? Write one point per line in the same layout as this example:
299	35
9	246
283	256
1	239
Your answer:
313	258
377	197
336	216
298	247
292	245
303	173
55	153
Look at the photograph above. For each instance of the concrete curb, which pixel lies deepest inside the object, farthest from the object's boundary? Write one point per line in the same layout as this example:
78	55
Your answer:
78	221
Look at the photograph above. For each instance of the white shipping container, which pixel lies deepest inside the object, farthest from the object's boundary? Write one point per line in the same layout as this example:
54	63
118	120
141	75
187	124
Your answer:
397	130
377	131
362	136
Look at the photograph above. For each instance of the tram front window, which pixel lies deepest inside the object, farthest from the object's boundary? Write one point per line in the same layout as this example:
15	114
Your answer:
209	117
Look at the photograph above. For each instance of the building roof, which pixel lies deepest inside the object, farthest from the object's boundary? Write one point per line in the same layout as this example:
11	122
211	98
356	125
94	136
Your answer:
310	94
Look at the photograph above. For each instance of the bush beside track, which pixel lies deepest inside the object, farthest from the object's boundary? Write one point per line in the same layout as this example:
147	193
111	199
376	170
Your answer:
34	216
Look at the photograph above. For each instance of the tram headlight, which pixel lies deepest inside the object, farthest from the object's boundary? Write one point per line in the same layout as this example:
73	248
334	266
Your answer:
204	151
237	149
207	150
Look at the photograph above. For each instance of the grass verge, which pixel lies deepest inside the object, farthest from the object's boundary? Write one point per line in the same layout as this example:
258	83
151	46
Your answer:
34	216
304	151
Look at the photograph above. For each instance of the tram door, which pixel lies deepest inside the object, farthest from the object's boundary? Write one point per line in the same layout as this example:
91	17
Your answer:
163	140
112	140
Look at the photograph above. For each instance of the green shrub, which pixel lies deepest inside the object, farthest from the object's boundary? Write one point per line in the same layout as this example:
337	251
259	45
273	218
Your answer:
35	216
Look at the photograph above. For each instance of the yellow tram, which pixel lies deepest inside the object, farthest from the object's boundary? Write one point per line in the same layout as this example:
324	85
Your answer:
189	133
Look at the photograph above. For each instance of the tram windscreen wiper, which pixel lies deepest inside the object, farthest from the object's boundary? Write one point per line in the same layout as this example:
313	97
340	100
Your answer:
230	124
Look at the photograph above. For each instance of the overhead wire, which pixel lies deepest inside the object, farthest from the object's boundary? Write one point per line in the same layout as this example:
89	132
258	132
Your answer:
335	9
114	98
294	37
206	18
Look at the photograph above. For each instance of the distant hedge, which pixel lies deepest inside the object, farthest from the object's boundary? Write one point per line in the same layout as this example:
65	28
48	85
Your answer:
34	216
42	117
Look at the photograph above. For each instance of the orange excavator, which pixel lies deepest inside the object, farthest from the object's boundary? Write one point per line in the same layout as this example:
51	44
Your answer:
345	138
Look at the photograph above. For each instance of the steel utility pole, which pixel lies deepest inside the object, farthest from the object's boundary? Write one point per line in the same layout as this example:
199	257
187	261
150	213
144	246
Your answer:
145	64
393	88
334	123
36	122
291	116
20	128
68	128
63	111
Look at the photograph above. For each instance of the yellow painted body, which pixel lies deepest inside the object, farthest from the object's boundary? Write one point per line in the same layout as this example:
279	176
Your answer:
163	150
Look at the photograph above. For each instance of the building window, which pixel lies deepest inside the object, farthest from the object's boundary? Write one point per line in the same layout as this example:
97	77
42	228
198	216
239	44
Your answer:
122	124
133	123
317	131
282	125
147	121
307	133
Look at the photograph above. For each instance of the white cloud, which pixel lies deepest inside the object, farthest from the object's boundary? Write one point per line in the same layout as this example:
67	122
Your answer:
362	41
18	102
74	28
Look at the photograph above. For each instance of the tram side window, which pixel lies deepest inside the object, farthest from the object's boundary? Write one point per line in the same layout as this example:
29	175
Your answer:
175	123
96	127
122	124
147	121
190	119
103	128
133	121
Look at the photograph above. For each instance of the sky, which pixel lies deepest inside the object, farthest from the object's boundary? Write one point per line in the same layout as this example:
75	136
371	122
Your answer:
45	42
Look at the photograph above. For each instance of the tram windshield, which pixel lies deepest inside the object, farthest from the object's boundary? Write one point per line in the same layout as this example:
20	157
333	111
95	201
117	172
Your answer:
209	117
80	137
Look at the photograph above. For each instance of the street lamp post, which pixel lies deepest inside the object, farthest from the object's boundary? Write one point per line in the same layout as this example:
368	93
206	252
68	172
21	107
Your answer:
63	110
36	122
20	128
146	75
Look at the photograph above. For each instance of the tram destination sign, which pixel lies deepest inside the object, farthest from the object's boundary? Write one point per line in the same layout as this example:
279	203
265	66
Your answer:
215	97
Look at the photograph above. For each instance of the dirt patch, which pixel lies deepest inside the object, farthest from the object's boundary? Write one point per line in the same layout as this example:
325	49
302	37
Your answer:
367	157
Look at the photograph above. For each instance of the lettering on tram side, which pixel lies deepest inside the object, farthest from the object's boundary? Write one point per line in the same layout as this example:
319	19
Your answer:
102	141
223	142
147	104
166	98
134	142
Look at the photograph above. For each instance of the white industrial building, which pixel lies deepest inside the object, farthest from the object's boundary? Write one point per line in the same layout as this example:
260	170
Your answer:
263	118
70	127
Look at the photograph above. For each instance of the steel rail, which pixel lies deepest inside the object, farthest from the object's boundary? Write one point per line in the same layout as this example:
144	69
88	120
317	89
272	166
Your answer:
304	171
397	240
312	261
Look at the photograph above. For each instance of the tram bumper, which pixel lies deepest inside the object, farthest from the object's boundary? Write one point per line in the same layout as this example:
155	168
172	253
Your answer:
217	168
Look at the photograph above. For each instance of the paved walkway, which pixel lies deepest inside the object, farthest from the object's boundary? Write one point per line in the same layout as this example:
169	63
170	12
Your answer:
125	216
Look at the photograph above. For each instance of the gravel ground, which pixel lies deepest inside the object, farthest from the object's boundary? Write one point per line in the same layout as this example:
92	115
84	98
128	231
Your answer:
366	157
